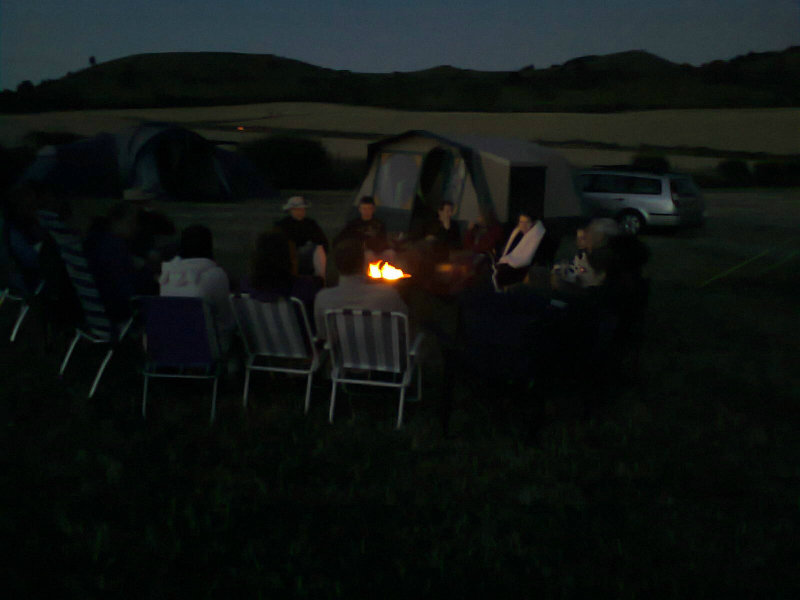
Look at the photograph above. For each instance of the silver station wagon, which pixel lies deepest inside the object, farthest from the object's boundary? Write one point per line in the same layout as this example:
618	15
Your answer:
638	199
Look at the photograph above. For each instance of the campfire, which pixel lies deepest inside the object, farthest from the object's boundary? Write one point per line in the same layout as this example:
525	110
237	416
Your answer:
383	270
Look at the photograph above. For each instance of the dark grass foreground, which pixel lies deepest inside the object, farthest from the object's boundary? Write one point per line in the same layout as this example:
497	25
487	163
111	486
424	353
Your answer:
686	483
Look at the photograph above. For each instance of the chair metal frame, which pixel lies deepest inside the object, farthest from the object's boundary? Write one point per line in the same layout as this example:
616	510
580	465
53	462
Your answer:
7	294
348	323
212	368
281	335
97	327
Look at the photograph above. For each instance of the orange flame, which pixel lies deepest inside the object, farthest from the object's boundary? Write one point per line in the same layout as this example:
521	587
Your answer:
383	270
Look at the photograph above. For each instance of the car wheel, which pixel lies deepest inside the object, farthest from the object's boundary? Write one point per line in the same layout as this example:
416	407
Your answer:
631	222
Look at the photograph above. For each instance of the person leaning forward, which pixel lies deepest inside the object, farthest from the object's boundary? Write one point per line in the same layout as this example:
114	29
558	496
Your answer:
354	291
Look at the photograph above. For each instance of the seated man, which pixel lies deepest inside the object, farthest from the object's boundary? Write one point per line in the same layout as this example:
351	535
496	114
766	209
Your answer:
446	230
519	250
308	237
354	291
117	272
366	229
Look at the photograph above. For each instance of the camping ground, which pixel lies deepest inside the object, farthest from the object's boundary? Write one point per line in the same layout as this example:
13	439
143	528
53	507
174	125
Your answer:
685	484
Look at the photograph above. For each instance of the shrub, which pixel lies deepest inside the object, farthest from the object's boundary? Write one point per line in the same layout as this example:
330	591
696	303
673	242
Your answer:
300	163
735	173
777	174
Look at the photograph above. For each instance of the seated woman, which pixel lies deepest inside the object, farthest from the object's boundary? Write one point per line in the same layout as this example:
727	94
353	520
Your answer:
512	266
194	273
273	273
483	236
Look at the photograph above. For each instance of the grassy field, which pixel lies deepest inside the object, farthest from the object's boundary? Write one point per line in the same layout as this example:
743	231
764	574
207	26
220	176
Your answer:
686	484
749	130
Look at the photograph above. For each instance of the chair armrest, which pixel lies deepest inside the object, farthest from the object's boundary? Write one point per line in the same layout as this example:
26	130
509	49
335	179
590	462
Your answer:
417	342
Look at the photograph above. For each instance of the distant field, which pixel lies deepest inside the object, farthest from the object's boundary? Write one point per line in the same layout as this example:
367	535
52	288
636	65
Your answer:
773	131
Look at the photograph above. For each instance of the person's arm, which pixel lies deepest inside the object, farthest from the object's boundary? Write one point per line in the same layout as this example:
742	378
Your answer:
318	236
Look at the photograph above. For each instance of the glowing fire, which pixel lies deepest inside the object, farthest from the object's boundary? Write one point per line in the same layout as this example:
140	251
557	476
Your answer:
383	270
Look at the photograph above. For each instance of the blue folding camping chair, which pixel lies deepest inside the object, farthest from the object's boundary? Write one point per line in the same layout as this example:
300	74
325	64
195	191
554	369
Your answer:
96	327
180	342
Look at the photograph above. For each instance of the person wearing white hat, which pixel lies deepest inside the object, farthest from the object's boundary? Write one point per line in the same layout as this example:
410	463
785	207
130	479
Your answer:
307	235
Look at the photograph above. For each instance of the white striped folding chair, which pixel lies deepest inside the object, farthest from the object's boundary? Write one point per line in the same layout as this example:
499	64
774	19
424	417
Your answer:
97	327
372	348
277	337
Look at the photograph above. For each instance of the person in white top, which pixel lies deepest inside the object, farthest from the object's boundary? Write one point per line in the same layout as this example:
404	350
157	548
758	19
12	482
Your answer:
519	251
194	273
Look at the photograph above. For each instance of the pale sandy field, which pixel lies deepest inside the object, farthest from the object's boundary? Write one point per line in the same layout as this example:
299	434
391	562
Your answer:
775	131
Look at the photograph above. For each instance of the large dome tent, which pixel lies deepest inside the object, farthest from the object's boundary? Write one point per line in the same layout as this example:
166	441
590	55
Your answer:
417	170
165	159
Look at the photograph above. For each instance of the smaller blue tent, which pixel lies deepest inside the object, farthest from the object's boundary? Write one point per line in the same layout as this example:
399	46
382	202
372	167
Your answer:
168	160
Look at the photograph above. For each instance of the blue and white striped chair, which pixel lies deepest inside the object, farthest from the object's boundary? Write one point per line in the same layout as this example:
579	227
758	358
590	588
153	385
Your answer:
372	348
277	337
96	327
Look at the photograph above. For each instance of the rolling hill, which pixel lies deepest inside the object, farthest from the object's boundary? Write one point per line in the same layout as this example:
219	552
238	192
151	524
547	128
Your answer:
634	80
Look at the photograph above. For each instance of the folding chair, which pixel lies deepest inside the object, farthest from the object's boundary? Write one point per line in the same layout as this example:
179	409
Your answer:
180	342
24	300
277	337
97	327
372	348
14	287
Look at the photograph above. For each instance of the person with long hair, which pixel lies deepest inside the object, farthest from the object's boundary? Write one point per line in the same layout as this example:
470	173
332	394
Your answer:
273	272
194	273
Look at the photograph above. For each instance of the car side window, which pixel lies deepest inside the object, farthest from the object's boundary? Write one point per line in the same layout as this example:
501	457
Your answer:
609	184
645	185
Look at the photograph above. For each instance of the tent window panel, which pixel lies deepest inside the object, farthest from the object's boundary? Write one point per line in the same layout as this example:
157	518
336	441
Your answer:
455	184
396	180
526	191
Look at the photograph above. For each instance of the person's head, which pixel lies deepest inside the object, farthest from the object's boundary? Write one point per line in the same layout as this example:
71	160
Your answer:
296	207
196	242
599	231
274	261
525	223
366	207
348	256
595	268
633	253
446	209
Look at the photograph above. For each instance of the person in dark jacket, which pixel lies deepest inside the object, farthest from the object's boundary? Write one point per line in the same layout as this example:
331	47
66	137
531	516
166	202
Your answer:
307	235
366	228
119	275
445	229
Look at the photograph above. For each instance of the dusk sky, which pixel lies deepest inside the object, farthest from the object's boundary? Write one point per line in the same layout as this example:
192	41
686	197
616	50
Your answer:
44	39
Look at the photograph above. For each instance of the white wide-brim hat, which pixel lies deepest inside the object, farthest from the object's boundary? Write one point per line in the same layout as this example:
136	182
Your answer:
295	202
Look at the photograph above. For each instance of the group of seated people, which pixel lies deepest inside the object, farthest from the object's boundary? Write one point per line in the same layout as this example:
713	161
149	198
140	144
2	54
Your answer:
136	250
